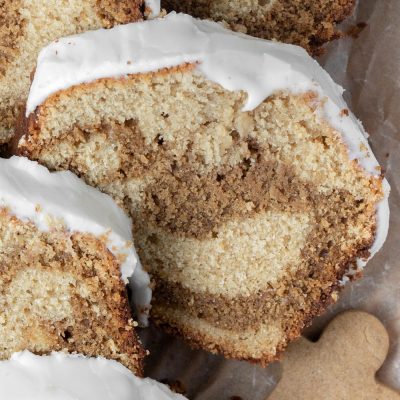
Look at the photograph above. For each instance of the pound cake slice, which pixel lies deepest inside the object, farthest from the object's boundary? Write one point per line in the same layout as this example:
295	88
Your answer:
308	23
28	25
65	251
62	376
251	185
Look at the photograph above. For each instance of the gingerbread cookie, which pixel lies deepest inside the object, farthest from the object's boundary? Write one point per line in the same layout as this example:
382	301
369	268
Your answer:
340	366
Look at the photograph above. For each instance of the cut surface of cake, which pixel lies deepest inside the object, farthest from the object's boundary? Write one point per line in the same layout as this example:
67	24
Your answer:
59	376
308	23
28	25
66	252
251	185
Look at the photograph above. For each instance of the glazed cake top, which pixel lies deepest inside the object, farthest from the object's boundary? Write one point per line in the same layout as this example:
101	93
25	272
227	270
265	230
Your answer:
62	376
235	61
32	193
232	60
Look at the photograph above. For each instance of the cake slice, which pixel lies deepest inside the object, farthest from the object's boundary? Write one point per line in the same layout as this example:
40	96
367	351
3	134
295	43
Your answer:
308	23
65	252
61	376
26	26
251	185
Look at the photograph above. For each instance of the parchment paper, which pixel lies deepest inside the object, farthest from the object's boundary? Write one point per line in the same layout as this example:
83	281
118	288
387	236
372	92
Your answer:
368	67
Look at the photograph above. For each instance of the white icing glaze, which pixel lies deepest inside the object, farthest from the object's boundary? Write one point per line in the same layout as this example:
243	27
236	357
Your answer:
154	6
33	193
233	60
74	377
382	220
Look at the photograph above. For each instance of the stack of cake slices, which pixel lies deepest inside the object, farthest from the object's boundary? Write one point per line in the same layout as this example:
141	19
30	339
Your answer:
232	163
251	186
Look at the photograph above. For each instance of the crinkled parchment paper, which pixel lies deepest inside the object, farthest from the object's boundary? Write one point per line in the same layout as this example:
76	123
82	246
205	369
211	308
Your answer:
368	67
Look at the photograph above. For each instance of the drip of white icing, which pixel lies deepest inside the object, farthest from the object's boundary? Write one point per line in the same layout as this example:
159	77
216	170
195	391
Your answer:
233	60
154	6
74	377
32	193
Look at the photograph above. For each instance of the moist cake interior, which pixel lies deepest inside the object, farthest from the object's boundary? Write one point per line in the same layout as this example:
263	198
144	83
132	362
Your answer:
62	292
246	220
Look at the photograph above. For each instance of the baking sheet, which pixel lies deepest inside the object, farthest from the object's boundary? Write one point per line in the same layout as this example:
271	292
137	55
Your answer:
368	67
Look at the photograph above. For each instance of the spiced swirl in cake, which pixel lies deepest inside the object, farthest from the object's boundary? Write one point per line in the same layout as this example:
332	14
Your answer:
308	23
66	252
28	25
251	185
